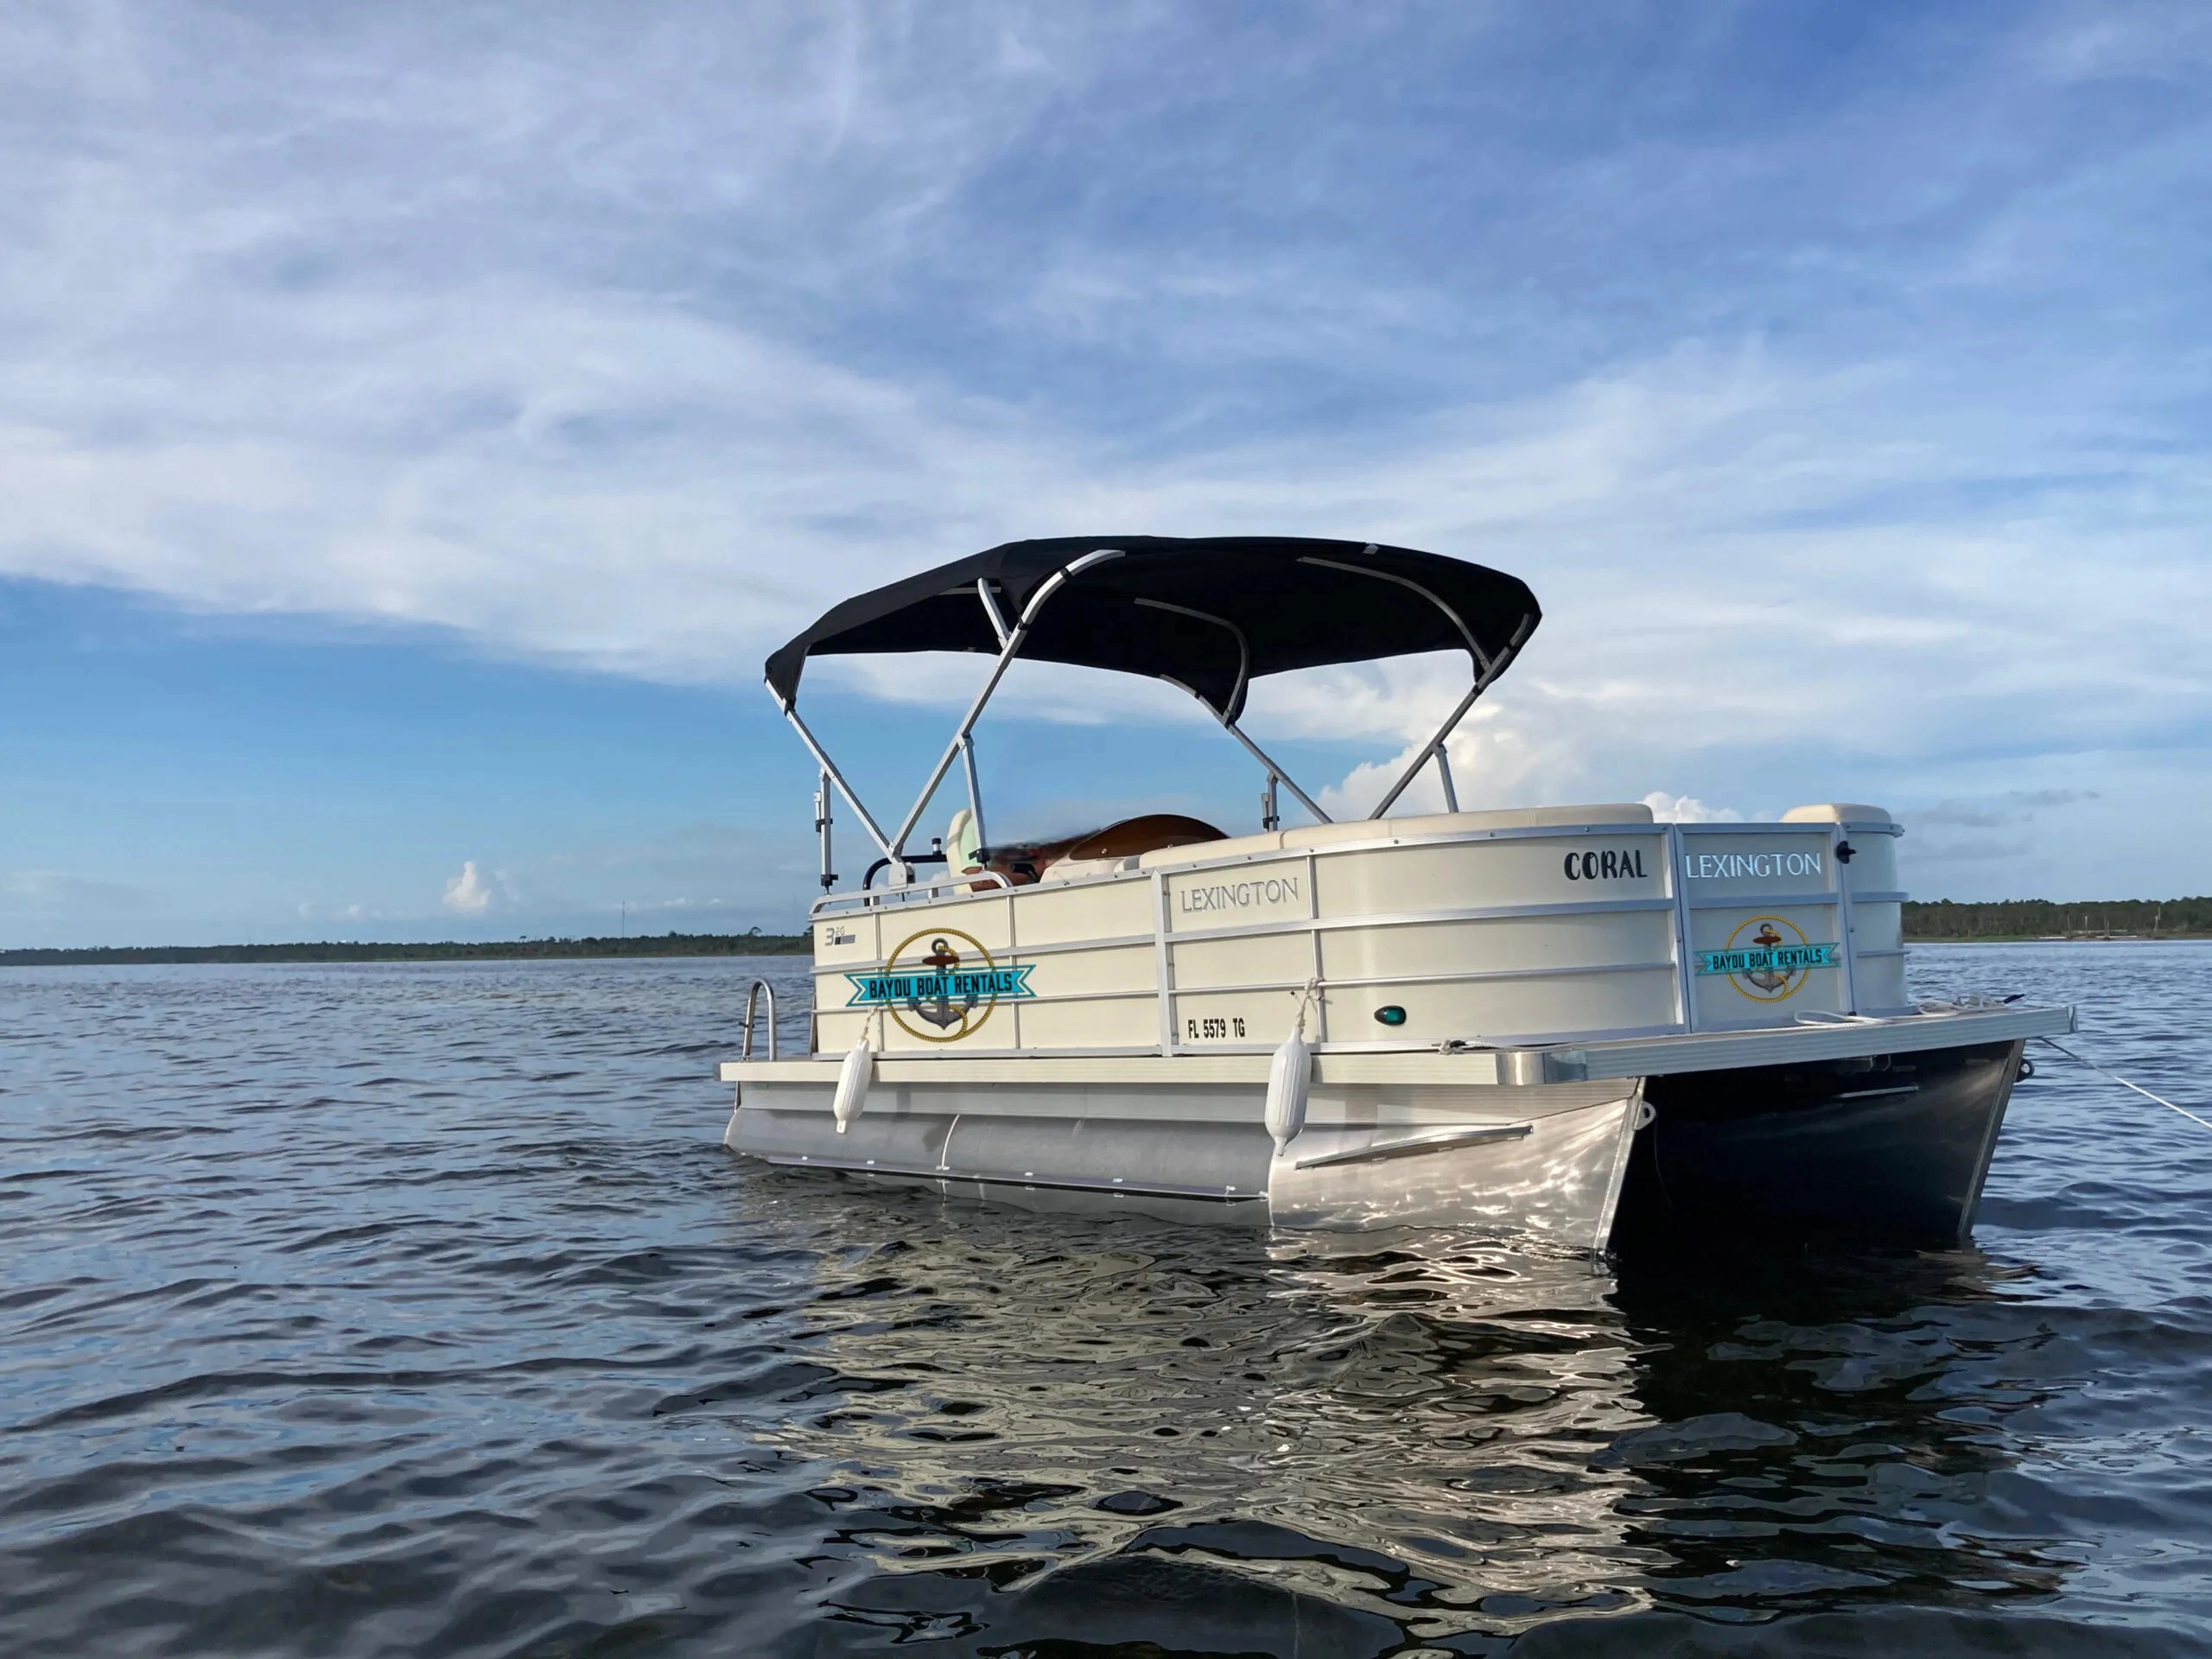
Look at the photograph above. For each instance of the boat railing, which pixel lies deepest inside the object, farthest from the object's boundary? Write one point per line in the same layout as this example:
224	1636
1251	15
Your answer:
752	1002
907	893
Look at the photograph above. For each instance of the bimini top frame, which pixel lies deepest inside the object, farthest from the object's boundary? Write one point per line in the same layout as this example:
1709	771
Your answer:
1208	615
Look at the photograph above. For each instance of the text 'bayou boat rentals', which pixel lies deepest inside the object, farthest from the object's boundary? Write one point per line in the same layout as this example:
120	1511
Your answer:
1571	1021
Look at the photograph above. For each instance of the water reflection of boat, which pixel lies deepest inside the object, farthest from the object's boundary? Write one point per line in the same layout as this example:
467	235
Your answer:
1450	1018
1826	1431
1404	1429
1420	1427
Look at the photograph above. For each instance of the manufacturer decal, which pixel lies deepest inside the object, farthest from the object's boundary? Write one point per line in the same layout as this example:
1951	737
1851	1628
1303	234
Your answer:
1722	866
935	990
1610	865
1239	895
1771	964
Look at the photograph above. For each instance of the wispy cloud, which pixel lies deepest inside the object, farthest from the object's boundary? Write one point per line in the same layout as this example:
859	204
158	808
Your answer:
1988	812
65	891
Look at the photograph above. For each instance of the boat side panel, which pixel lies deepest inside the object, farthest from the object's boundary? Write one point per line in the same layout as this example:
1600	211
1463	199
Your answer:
1127	969
1053	914
1495	945
837	1029
1873	862
1226	964
1098	1022
1641	1000
1539	933
1877	920
1625	863
1880	934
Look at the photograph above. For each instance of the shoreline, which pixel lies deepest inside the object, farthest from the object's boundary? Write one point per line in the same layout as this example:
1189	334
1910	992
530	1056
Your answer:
693	945
2056	938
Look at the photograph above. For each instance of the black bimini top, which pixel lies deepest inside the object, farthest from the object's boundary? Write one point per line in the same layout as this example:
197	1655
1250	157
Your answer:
1209	613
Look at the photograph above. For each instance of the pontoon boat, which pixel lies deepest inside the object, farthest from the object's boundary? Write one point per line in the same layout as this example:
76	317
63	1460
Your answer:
1567	1022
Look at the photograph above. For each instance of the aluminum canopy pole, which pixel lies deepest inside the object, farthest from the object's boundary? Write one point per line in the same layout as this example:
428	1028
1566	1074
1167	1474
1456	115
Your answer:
1051	585
1434	749
1431	750
1474	645
1002	633
1260	755
991	610
829	769
975	791
1243	647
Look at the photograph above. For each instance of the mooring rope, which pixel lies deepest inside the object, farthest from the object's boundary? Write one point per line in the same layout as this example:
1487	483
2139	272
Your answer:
2125	1084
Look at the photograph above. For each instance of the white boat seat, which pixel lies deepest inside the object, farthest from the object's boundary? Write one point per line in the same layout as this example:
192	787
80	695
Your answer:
962	852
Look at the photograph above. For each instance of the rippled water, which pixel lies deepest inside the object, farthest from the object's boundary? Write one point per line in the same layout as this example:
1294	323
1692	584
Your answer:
417	1309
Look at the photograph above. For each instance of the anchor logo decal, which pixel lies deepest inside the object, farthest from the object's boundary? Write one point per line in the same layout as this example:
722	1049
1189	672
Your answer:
1769	966
1768	978
938	990
939	1010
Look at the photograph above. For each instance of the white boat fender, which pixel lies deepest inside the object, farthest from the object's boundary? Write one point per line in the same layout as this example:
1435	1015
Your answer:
853	1079
1289	1076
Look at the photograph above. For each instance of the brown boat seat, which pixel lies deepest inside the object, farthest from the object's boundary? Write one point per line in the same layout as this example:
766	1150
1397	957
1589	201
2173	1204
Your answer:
1148	834
1023	862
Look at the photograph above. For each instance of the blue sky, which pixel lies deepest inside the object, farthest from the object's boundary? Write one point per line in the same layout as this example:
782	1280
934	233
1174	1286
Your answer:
418	422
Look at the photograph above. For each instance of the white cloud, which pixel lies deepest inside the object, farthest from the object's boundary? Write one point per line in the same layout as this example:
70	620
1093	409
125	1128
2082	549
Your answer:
471	893
1687	809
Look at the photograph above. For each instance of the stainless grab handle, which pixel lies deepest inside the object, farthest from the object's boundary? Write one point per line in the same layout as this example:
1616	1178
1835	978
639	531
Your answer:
752	1001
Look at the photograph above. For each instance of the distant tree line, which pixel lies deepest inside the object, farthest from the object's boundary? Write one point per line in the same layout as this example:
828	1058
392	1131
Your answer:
2042	919
661	944
2012	919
